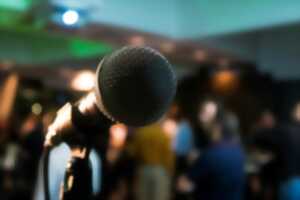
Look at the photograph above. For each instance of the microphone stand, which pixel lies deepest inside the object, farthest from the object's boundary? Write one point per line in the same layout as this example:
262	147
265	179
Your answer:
78	129
78	178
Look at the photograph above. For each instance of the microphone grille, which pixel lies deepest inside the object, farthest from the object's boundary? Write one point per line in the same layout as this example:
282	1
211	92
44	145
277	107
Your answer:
137	85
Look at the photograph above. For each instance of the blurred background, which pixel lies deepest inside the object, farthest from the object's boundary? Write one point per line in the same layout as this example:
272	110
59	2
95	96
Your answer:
237	64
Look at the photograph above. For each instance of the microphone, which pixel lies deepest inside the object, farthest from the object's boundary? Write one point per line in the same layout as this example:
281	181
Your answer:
134	86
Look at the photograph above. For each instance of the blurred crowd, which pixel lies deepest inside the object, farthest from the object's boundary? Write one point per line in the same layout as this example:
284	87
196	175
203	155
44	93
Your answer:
174	159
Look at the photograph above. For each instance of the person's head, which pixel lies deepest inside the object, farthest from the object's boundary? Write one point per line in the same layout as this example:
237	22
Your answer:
29	125
207	112
266	119
296	113
209	118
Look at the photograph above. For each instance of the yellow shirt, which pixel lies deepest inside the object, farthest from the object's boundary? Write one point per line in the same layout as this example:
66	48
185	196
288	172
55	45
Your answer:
152	146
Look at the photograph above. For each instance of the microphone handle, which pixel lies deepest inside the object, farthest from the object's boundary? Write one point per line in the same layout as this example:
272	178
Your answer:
88	126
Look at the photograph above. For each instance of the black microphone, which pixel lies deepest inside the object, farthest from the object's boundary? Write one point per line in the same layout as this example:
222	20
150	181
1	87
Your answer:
134	86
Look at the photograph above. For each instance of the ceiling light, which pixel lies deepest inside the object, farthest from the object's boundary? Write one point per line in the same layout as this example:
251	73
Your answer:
70	17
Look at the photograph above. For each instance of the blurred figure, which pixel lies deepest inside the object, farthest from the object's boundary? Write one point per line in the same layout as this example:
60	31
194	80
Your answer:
151	147
23	153
284	144
9	155
21	150
32	139
183	144
233	126
120	166
218	173
261	168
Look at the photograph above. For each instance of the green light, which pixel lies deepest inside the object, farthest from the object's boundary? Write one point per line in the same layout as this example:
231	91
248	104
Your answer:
25	45
20	5
10	17
83	48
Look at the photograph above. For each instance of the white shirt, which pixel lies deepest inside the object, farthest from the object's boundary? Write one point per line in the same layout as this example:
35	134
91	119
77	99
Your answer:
58	159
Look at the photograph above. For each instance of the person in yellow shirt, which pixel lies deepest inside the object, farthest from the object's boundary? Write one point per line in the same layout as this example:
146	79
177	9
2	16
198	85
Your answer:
151	147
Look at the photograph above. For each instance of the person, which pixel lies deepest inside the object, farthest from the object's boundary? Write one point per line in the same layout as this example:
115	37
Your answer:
9	156
262	170
183	144
183	147
120	167
218	173
284	144
151	148
59	158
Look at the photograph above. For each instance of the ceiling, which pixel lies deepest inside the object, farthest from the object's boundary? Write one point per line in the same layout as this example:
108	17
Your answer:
190	19
185	31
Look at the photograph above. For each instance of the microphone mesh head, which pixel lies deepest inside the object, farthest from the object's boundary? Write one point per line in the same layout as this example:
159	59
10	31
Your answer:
137	85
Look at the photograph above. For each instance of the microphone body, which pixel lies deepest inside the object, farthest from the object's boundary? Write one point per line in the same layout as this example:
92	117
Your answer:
134	86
